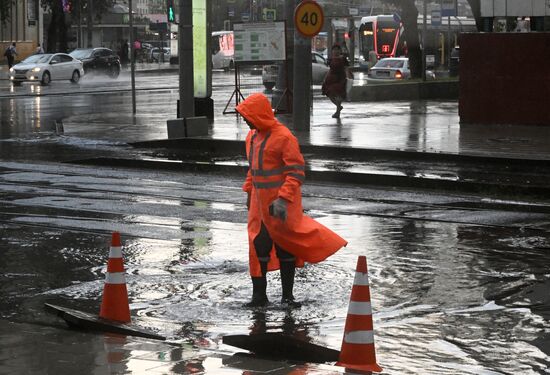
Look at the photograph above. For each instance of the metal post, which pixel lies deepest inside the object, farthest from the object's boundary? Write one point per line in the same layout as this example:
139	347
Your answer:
24	23
91	22
302	81
79	32
185	56
424	21
449	47
351	35
132	57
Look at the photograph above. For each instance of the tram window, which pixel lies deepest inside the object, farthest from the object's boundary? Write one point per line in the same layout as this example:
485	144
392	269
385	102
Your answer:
386	36
367	37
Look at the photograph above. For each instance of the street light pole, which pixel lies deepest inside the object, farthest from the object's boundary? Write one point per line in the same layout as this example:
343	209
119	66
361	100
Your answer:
90	23
424	21
132	56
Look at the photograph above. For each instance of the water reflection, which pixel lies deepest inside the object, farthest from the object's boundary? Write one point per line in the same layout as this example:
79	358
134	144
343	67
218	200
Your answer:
417	126
116	355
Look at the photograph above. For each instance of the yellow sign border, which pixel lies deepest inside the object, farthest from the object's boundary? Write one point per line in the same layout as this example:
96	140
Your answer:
297	24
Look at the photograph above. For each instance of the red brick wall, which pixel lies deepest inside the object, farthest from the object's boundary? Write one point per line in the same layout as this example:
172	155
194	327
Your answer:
505	78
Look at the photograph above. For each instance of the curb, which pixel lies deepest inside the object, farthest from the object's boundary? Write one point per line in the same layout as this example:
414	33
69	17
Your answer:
222	147
370	179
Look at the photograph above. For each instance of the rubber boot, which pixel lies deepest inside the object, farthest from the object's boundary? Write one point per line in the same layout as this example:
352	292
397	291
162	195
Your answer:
287	280
259	287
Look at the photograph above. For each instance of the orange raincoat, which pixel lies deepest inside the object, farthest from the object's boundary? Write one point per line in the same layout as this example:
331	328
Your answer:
276	170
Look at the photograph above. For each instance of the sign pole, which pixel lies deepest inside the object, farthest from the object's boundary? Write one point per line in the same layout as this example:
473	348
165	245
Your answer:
302	81
308	19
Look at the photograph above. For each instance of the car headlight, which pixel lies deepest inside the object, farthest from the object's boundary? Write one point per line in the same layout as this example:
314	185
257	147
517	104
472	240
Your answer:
11	70
36	69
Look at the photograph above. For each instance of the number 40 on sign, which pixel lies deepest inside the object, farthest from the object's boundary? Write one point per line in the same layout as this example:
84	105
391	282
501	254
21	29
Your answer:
309	18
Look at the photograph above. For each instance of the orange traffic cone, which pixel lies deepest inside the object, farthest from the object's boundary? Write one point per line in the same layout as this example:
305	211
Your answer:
358	344
114	305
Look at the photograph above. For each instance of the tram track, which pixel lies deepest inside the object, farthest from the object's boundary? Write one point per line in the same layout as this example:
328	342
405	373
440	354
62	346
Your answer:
408	214
463	202
172	190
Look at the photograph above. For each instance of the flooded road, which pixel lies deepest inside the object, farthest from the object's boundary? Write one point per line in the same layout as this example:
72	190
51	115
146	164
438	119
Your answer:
451	297
459	283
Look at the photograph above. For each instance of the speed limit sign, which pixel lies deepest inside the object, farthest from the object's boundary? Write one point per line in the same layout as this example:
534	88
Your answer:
309	18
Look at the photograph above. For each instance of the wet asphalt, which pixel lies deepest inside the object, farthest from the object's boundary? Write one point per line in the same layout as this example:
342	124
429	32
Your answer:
459	280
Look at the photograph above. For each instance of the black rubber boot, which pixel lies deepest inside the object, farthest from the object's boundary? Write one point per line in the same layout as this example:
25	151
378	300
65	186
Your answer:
287	280
259	287
259	296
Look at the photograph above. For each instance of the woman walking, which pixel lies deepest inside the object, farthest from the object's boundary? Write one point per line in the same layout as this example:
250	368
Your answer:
334	85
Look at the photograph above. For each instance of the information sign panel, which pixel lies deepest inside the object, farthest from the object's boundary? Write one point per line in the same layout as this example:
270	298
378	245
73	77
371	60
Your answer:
448	8
436	18
262	41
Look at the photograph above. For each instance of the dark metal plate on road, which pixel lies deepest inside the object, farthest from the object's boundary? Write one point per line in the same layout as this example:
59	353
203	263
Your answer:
279	346
90	322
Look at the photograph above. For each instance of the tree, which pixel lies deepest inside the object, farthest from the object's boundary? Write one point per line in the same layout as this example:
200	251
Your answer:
409	17
5	10
57	29
475	5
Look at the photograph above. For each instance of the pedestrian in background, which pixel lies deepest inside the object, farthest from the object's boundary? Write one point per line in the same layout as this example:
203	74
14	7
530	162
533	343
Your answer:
280	236
10	54
124	53
39	49
334	85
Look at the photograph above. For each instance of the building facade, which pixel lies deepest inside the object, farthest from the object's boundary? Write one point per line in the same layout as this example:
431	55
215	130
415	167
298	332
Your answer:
24	27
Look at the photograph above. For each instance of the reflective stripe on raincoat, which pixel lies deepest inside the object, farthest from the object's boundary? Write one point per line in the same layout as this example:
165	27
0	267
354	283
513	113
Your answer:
276	170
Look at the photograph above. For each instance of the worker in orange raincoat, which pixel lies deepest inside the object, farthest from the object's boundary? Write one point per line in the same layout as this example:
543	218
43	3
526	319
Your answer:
280	236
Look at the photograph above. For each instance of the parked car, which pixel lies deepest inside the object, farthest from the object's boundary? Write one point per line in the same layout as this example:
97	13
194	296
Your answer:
45	68
98	60
319	70
392	69
156	54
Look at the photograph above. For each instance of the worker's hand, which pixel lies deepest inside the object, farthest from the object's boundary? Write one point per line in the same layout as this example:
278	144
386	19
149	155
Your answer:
248	201
279	208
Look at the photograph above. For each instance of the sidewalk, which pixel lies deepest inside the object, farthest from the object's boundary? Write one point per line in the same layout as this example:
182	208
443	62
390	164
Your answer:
415	126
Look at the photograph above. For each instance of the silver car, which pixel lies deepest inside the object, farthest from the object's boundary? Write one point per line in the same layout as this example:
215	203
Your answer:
162	55
47	67
392	69
319	70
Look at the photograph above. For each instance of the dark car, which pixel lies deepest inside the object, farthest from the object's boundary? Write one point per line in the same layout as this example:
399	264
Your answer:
100	60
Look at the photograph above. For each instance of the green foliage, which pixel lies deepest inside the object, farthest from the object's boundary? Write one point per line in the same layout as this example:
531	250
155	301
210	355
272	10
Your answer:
5	6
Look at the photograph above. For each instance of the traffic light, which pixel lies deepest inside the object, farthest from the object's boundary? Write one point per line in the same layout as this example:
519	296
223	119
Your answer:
170	11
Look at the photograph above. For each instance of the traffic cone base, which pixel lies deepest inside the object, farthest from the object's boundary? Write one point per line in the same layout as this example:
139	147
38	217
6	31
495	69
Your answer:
114	304
358	351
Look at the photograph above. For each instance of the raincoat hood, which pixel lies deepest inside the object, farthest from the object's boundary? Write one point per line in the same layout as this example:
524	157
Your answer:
257	110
